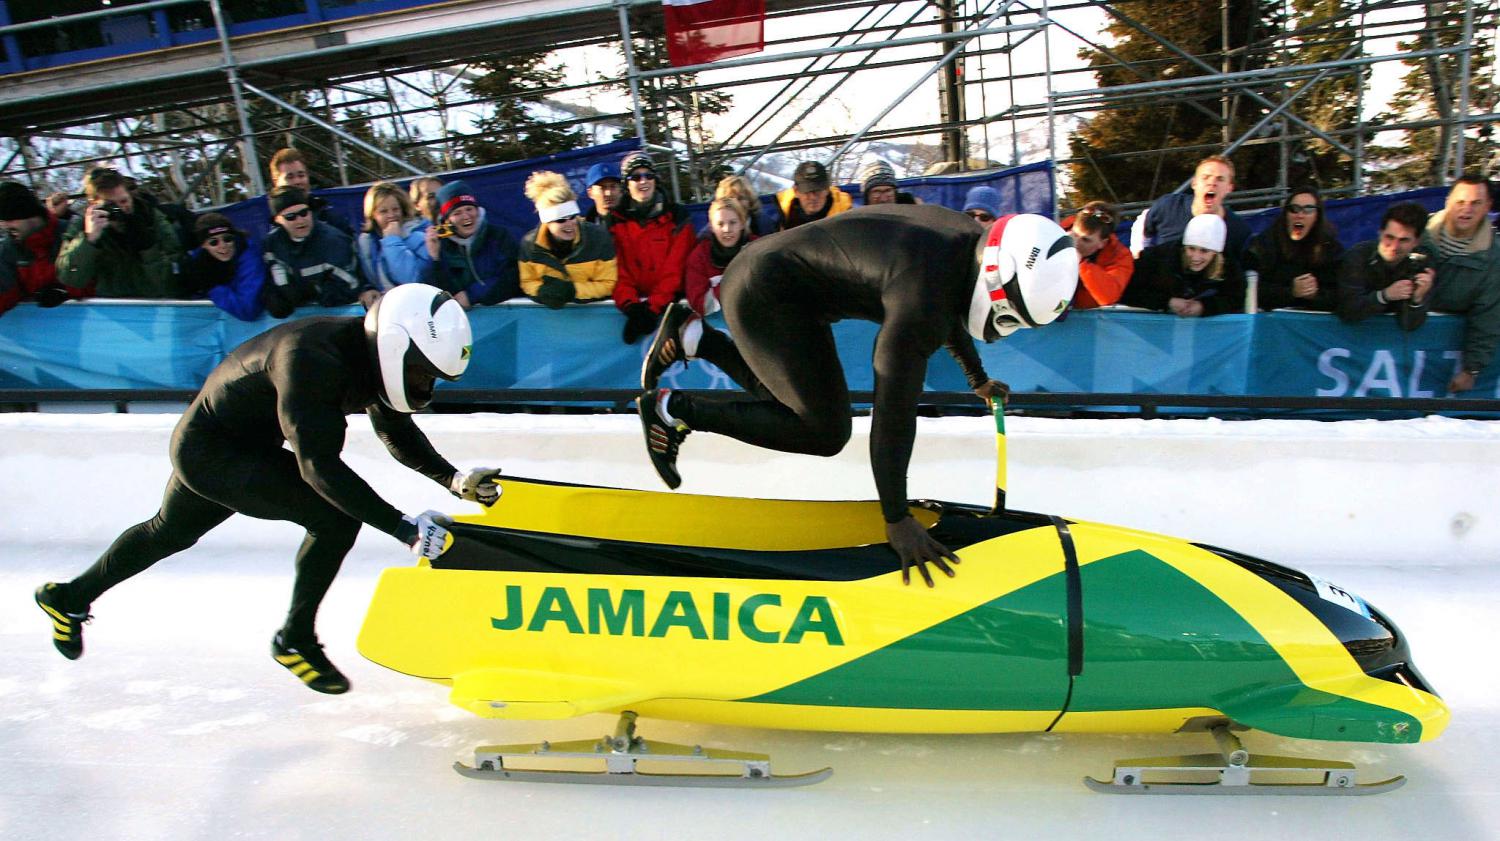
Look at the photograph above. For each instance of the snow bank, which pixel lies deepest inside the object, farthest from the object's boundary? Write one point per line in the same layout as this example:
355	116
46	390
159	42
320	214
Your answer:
1374	492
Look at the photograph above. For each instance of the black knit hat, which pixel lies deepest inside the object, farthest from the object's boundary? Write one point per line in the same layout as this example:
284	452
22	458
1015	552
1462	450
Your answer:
18	202
211	225
635	160
282	198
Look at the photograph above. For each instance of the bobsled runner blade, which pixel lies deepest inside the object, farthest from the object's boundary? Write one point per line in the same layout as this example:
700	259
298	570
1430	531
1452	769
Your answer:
621	754
1233	770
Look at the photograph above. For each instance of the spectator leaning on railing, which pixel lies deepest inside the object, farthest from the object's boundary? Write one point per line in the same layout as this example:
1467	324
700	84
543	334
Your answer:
29	242
1297	257
653	236
119	246
393	244
473	259
289	169
1104	263
564	259
1391	274
1468	273
307	262
1191	278
727	233
225	267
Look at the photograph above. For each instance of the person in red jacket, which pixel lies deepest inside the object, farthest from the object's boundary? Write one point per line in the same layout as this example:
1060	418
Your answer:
653	237
728	231
30	238
1104	263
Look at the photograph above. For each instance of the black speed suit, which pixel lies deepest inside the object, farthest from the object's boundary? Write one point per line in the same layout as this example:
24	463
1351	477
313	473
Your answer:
294	383
910	269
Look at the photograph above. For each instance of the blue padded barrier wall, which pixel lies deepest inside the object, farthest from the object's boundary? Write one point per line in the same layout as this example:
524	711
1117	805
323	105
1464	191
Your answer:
519	345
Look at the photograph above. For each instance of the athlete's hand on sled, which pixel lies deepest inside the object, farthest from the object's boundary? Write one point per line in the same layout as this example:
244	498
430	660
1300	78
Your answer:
916	547
476	485
991	389
432	533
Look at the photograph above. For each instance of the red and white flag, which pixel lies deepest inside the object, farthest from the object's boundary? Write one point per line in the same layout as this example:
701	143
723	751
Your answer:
700	31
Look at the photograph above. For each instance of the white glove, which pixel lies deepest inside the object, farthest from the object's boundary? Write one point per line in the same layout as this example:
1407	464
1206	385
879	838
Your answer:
432	533
476	485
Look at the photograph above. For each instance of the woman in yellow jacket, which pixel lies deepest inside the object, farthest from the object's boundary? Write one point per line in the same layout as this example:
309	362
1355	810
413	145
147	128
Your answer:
564	258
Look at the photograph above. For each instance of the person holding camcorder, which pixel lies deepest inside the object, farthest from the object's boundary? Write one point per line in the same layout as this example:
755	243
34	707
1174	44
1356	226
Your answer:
120	245
1391	274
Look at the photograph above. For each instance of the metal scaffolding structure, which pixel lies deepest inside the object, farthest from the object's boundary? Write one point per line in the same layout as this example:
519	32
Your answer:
982	83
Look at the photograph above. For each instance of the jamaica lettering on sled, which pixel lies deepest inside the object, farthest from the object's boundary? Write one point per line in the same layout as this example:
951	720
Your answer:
564	600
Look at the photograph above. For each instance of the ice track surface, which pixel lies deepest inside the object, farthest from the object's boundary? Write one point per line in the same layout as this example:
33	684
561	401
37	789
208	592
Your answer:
176	724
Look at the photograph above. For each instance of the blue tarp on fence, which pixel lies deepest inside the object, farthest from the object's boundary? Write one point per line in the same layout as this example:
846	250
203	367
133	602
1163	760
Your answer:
519	345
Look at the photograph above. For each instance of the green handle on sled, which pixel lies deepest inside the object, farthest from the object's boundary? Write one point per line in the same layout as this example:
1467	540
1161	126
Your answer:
997	406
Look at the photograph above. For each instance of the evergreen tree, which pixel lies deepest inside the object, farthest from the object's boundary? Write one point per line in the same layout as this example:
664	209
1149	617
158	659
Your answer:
1324	31
673	116
1170	122
512	133
1423	157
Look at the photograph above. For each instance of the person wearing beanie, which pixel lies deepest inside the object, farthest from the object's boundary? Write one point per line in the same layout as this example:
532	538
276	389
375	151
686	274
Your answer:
603	187
564	259
811	197
877	184
1105	264
983	205
1190	278
653	236
120	246
223	267
30	239
392	247
308	262
473	259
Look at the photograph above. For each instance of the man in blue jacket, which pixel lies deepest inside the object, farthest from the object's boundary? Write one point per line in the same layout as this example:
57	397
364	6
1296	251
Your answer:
473	259
308	263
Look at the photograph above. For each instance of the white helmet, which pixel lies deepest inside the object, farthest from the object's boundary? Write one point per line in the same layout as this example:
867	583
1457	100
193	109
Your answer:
1028	271
417	333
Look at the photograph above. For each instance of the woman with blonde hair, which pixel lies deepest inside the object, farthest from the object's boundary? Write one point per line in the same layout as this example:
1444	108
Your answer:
1192	278
424	196
392	243
564	258
727	233
739	187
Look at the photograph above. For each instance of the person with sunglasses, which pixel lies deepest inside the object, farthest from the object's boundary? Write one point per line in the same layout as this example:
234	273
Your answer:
982	204
1105	265
1297	257
308	263
928	276
223	268
564	259
653	237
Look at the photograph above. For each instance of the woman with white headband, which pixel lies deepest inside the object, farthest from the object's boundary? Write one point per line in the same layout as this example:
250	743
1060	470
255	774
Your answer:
564	258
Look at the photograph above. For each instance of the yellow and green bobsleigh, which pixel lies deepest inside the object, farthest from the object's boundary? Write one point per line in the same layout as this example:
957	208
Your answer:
563	600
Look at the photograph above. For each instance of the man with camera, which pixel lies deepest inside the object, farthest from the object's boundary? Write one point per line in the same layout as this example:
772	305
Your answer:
29	241
1391	274
120	246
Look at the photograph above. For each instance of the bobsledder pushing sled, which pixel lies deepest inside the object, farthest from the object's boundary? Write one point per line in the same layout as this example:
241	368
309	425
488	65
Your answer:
566	600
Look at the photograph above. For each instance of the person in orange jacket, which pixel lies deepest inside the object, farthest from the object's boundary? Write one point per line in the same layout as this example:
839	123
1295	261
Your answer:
1104	263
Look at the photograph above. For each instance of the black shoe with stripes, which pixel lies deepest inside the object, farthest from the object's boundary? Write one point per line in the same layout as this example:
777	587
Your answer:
67	627
306	661
662	438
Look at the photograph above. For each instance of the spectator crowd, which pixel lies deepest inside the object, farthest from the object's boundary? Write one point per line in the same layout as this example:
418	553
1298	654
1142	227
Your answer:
627	241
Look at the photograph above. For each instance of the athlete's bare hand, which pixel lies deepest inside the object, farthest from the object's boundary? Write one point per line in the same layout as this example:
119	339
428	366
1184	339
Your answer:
991	389
915	547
